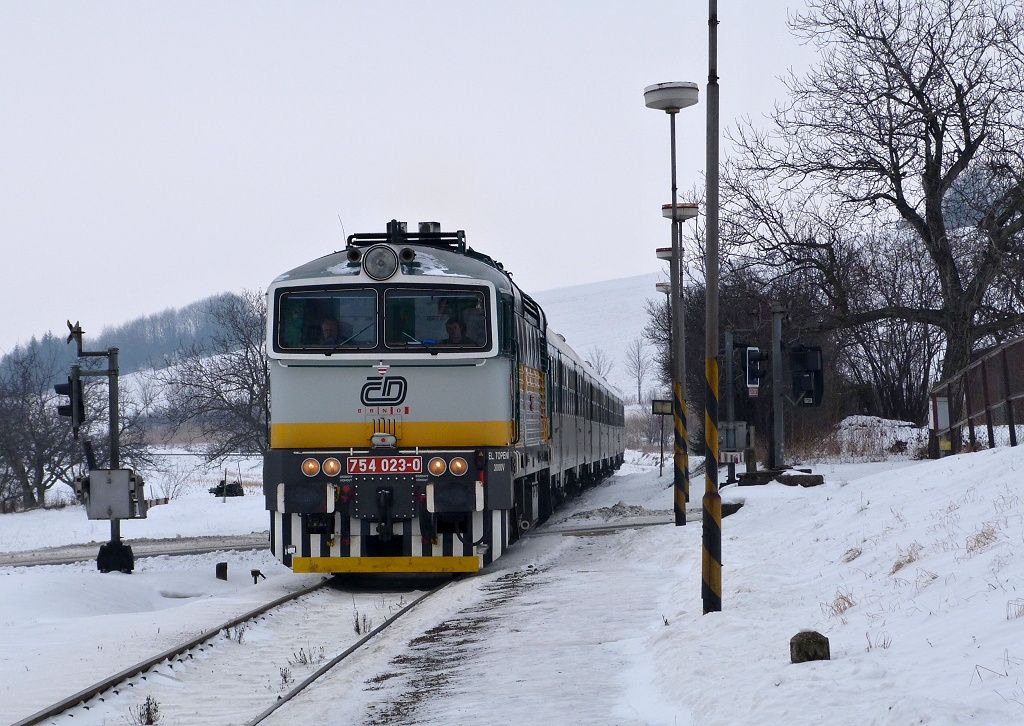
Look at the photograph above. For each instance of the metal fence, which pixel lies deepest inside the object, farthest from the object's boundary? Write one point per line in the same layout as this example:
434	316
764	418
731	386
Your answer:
982	401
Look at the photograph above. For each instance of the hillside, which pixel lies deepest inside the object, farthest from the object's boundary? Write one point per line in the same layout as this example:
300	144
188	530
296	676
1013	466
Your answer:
605	315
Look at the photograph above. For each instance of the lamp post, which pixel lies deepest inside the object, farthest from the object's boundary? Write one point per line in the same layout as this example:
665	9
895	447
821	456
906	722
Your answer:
670	98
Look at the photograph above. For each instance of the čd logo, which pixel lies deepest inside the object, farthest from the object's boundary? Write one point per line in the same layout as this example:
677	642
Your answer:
386	391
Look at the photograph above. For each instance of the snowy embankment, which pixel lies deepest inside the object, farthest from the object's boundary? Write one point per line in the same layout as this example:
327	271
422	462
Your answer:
911	569
913	574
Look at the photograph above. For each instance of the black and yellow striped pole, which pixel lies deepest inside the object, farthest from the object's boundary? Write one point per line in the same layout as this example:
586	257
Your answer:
671	97
681	457
711	559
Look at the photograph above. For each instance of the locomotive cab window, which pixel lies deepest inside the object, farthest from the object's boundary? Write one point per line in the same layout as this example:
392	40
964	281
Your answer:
343	319
437	319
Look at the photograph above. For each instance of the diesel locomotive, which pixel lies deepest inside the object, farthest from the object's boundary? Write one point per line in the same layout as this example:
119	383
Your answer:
423	414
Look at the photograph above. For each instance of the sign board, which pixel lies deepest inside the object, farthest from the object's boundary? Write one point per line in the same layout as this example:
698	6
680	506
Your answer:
661	407
939	414
730	457
752	391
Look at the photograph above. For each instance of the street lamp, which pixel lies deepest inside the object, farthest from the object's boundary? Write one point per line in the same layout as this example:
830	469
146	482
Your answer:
671	98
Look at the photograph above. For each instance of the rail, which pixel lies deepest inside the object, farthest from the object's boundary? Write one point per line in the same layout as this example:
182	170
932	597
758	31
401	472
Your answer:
112	681
343	655
983	396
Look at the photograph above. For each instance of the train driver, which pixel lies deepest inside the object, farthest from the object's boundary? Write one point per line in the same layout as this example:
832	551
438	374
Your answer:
331	333
456	333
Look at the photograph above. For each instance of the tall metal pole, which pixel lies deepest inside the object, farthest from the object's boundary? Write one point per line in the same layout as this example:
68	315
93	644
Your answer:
672	367
115	429
778	457
711	561
670	97
730	402
680	459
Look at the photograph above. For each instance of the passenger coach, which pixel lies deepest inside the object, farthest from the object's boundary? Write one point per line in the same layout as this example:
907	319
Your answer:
423	414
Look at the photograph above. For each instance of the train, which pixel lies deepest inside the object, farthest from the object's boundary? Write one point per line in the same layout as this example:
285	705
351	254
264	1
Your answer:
423	413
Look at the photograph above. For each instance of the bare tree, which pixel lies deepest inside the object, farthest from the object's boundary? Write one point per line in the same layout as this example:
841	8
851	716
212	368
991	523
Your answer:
36	446
637	363
601	361
893	180
221	391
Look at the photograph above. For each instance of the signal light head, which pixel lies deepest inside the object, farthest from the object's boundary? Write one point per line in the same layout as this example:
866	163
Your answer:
310	467
437	466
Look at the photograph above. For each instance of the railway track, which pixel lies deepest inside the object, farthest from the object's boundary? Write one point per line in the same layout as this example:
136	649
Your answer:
141	547
101	698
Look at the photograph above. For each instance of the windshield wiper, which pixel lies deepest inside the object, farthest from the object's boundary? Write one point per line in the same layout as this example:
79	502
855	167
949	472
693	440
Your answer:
356	335
426	347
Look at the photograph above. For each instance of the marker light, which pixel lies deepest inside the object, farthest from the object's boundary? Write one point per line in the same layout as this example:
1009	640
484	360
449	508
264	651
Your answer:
332	467
310	467
436	466
458	466
380	262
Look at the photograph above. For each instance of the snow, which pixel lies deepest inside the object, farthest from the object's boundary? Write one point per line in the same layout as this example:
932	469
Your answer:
605	316
911	569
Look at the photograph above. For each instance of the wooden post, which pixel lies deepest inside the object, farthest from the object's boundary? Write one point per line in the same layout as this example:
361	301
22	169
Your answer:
1010	421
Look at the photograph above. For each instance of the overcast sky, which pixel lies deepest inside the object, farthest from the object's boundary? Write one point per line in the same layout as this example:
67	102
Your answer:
152	154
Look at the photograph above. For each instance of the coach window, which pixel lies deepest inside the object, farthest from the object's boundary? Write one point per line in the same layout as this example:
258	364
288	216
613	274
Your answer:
325	320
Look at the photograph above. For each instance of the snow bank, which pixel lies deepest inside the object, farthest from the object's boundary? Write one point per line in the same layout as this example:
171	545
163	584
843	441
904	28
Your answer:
869	438
913	574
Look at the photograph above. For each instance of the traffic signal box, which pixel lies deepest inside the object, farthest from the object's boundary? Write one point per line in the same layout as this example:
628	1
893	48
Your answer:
805	366
75	408
756	366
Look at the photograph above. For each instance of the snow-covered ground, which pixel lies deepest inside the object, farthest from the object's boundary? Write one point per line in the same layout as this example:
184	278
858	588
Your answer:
910	568
192	512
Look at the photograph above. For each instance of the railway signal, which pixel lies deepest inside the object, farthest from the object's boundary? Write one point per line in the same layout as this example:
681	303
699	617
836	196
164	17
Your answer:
113	493
75	408
805	366
756	368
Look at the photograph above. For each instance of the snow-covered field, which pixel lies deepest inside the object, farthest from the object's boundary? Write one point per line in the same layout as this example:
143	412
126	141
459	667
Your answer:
910	568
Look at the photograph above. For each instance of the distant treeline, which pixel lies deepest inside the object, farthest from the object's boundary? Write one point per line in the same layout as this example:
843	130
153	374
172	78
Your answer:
144	342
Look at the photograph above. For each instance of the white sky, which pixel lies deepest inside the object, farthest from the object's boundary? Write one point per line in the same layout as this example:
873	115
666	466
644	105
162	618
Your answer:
152	154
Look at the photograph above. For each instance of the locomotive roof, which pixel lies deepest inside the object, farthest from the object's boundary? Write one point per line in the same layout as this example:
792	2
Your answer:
429	261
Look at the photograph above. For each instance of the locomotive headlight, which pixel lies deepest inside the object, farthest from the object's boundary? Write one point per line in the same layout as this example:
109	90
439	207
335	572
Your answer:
380	262
332	467
436	466
310	467
458	466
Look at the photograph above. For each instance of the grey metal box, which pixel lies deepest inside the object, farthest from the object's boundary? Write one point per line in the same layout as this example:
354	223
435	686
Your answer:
110	494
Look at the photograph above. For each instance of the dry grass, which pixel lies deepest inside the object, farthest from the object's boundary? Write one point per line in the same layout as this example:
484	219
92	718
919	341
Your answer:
1015	609
924	579
882	640
851	554
911	554
982	539
842	602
